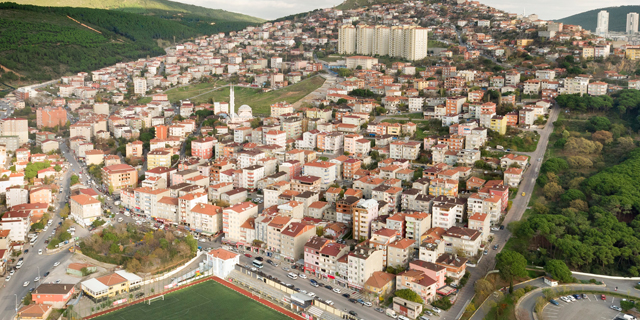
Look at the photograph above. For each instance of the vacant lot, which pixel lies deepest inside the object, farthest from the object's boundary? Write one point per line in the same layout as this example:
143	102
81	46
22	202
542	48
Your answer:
188	91
208	300
260	102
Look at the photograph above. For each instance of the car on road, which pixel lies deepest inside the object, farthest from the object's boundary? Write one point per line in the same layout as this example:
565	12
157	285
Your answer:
58	281
616	308
26	283
301	275
495	229
502	227
36	279
311	294
554	302
26	251
346	295
39	251
379	310
336	290
7	278
260	258
495	247
523	194
12	272
352	300
603	297
247	255
353	313
329	287
367	304
329	302
46	274
436	310
286	269
56	264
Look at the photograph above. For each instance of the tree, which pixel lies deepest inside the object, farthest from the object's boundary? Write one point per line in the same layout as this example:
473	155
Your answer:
74	179
511	264
604	137
58	168
483	287
192	243
64	212
409	294
558	270
552	190
319	231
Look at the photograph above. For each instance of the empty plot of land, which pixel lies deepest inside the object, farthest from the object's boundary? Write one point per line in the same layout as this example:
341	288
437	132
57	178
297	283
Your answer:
208	300
260	102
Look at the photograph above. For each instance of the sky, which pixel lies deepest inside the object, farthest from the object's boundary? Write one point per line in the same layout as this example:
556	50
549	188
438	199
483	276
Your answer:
272	9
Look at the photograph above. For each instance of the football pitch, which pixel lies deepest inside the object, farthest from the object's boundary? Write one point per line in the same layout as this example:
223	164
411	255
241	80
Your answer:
208	300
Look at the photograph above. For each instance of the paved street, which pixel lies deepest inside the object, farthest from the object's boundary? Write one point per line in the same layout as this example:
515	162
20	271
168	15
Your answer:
518	208
341	302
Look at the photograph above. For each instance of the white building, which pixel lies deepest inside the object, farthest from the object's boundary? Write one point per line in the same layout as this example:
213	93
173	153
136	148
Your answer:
140	86
222	262
603	23
632	22
85	209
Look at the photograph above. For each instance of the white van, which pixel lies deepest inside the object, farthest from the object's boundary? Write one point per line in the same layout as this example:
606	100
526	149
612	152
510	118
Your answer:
628	317
401	317
292	276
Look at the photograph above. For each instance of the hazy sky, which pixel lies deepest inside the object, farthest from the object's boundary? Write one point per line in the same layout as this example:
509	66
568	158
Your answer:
272	9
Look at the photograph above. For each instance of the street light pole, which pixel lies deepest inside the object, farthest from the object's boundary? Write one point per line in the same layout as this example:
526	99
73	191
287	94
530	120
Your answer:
16	308
38	272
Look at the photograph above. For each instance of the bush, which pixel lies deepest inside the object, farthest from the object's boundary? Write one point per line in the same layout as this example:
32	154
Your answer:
409	294
465	279
443	303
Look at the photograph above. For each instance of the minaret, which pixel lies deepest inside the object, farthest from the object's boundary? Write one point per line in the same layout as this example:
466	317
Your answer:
231	102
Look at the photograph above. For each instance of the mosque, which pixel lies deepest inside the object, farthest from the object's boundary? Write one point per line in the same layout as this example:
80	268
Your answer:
244	115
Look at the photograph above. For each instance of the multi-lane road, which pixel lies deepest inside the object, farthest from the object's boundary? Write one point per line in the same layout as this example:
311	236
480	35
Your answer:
340	302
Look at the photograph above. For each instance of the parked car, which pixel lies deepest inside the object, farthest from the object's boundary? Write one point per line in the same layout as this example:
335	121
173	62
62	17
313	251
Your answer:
346	295
56	264
260	258
616	308
7	278
336	290
26	283
247	255
603	297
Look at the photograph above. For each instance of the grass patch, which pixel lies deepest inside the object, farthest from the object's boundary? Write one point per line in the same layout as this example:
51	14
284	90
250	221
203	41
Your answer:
524	141
261	102
198	302
188	91
144	100
415	115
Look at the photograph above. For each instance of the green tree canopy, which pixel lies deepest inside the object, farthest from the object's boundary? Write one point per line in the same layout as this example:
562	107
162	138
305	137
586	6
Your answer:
511	264
558	270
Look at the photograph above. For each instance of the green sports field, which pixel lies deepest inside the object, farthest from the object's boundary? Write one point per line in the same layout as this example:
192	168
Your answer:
208	300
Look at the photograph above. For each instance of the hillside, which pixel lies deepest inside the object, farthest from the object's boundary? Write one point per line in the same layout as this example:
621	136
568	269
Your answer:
354	4
146	6
588	19
41	43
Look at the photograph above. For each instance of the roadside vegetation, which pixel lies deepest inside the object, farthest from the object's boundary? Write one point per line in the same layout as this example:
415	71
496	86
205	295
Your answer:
587	204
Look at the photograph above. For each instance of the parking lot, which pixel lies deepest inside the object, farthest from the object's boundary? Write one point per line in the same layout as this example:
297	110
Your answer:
592	308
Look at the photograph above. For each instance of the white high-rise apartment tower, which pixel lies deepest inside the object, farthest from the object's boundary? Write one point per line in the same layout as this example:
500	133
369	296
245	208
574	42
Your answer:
347	39
632	22
416	40
381	40
364	39
602	27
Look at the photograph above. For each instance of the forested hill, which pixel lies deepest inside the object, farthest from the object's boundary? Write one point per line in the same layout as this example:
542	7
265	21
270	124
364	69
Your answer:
41	43
146	6
589	19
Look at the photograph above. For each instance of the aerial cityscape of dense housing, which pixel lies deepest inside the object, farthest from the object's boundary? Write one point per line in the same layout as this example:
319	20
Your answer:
394	154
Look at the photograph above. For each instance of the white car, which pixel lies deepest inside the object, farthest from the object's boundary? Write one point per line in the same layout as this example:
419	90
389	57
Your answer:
311	294
36	279
26	283
201	240
12	272
119	219
336	290
303	291
367	304
39	251
329	302
7	278
56	264
301	275
495	229
58	281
